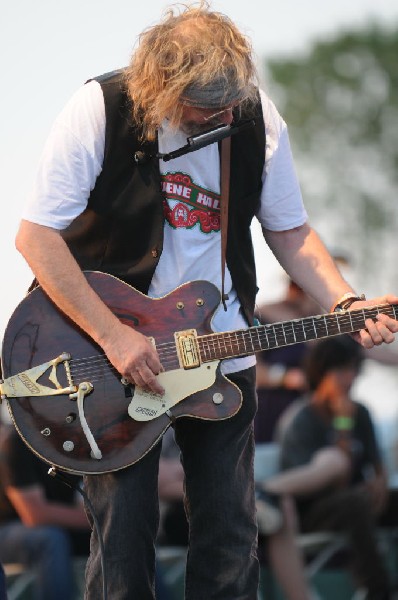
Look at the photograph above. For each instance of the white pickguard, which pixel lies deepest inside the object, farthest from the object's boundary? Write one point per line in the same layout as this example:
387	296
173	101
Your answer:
178	385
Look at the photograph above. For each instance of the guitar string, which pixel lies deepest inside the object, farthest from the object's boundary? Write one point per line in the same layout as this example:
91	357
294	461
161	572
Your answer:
309	324
90	371
88	365
276	334
101	376
212	341
263	331
93	360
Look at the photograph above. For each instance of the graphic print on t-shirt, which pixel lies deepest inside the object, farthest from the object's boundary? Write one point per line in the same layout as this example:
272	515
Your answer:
187	204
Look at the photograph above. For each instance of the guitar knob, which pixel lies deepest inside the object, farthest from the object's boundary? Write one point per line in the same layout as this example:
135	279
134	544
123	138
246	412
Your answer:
68	446
218	398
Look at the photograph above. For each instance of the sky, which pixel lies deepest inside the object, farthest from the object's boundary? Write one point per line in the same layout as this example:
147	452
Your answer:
50	47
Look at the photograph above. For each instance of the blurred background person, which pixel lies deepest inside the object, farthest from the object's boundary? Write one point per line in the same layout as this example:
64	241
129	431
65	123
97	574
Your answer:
280	375
277	539
43	524
331	463
278	548
280	378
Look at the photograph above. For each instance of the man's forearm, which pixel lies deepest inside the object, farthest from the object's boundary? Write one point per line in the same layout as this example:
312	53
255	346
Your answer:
307	261
60	276
131	353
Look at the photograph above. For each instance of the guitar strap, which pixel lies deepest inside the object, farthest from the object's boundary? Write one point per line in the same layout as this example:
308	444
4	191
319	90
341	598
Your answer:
225	179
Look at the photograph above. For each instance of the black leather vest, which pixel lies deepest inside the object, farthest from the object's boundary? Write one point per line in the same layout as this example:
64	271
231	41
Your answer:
121	230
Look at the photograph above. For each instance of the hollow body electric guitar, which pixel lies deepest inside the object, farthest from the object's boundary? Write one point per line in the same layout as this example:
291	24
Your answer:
73	409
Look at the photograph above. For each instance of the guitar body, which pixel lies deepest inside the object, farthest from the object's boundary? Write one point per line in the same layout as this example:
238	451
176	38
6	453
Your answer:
50	425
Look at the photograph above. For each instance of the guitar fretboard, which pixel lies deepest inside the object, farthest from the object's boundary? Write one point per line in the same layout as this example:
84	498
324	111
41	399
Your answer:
242	342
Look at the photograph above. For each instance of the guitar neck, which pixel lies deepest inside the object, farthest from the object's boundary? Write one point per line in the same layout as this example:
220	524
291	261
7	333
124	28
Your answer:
242	342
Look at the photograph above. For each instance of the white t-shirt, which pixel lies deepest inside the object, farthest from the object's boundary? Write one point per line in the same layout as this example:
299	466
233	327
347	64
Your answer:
72	160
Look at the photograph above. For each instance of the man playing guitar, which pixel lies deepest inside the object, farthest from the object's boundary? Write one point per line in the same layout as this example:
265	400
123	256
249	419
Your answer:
154	224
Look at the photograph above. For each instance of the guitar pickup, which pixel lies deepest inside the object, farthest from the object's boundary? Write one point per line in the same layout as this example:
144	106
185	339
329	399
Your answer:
187	348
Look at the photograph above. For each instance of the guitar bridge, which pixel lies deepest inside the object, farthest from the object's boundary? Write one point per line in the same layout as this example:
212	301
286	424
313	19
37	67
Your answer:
26	383
187	348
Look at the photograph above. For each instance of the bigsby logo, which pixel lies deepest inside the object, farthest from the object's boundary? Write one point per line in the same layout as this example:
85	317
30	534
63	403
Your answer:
28	383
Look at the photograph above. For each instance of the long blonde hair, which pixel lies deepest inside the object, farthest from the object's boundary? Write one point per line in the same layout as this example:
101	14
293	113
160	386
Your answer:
193	47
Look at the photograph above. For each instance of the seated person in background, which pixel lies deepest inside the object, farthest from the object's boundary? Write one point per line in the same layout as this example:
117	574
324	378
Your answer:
42	523
278	547
279	541
331	463
280	378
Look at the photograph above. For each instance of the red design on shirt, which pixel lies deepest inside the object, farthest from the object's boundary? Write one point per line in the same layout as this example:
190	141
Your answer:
182	216
194	205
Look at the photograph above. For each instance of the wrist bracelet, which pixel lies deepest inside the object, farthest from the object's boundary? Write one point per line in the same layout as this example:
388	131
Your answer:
345	301
342	423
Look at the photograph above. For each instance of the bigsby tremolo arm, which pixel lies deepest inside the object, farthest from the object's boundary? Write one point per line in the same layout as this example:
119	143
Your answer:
85	388
26	383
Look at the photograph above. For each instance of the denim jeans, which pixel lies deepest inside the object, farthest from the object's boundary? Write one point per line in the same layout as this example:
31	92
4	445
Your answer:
46	550
222	556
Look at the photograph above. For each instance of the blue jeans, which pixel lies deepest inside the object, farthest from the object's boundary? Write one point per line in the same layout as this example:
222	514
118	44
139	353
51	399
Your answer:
222	556
46	550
